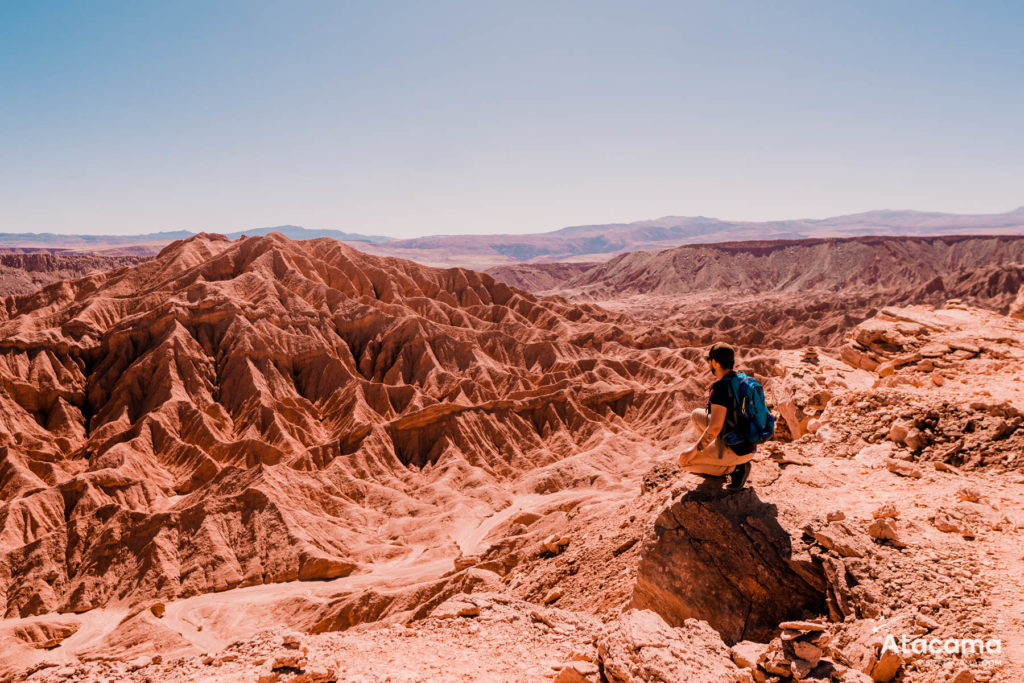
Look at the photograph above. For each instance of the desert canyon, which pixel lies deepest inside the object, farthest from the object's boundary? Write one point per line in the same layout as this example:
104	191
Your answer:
273	460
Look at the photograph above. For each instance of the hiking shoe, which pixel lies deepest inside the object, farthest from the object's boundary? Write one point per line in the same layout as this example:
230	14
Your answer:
738	477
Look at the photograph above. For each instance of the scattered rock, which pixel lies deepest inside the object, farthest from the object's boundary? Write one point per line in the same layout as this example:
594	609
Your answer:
578	672
904	469
945	522
746	653
537	616
888	665
875	455
839	538
883	529
555	544
624	546
289	661
965	675
898	432
915	439
888	510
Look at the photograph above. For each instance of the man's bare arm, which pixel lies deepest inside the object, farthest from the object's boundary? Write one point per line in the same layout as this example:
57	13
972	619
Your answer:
715	424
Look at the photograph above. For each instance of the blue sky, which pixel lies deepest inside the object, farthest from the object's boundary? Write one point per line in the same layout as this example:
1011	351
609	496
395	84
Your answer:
413	118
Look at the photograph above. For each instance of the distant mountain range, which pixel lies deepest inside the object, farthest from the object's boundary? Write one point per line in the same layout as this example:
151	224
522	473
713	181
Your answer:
157	239
577	243
601	242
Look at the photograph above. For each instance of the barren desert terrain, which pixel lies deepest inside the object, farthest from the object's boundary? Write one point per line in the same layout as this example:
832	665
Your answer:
270	460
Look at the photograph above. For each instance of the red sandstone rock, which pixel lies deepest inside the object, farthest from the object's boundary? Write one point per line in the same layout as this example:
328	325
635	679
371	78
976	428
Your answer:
640	646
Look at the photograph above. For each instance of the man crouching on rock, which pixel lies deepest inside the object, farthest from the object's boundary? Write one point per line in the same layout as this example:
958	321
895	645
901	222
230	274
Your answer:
710	455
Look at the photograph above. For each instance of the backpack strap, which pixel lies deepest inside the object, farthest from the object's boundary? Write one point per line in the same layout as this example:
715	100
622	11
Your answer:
731	423
732	377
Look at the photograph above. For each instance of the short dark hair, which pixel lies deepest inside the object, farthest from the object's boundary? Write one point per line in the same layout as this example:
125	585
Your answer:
724	354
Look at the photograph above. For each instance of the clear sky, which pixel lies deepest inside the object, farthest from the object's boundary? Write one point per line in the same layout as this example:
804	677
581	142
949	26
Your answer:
413	118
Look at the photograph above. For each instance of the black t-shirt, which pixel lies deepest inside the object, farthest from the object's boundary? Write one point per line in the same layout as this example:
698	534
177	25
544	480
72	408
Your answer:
721	395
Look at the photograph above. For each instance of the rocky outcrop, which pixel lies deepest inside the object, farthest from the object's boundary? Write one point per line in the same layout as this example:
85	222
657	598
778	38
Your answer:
922	399
722	557
639	646
807	384
929	339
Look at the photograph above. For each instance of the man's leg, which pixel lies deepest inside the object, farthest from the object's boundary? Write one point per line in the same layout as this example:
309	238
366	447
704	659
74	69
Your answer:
717	459
738	476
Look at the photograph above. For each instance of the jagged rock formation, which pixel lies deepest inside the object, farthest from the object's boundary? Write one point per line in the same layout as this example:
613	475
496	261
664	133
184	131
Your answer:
24	271
722	557
237	413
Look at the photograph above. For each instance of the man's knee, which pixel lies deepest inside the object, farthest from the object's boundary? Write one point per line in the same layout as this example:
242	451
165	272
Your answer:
699	418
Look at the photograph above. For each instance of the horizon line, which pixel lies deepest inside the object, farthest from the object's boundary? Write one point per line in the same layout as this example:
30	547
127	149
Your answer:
226	231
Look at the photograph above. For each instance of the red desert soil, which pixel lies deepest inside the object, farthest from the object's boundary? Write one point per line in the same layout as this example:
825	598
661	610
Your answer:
282	461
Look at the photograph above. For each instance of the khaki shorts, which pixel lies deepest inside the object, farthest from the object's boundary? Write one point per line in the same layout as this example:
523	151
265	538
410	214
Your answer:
717	459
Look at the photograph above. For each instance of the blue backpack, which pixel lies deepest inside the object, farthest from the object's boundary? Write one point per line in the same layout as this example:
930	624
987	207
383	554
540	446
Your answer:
754	423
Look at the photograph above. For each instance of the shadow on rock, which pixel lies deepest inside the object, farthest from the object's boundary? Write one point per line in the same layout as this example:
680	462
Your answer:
721	556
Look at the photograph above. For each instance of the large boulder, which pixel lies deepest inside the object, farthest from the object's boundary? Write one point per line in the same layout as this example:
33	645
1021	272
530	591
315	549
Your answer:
640	646
721	556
